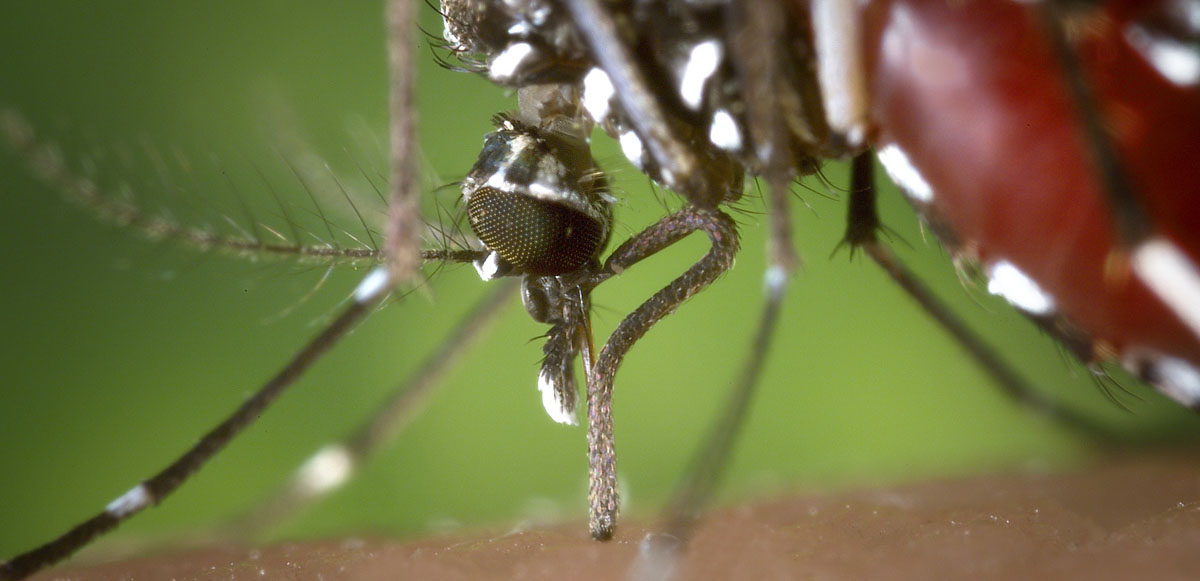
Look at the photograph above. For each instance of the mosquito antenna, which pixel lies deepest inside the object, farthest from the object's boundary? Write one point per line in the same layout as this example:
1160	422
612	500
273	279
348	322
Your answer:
52	170
371	292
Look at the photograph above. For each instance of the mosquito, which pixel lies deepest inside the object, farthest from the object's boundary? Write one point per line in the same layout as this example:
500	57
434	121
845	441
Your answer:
667	345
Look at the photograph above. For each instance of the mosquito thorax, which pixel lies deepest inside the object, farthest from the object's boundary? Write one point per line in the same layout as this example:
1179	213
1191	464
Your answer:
514	42
537	201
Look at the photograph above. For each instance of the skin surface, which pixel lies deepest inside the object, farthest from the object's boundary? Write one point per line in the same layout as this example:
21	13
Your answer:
1124	517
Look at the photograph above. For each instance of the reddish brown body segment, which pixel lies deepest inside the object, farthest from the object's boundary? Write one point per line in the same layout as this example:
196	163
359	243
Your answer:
973	95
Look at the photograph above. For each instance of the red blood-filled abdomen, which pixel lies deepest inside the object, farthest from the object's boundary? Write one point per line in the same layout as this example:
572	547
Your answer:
972	95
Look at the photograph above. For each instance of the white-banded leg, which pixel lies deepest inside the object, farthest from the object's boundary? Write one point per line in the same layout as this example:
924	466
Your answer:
405	258
862	229
369	294
335	463
763	84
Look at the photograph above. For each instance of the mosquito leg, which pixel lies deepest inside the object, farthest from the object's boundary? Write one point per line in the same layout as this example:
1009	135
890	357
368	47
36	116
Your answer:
331	466
861	234
760	22
367	296
682	169
722	232
404	216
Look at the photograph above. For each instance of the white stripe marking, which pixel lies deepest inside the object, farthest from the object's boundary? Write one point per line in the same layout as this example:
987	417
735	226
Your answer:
489	267
1172	276
504	66
724	132
631	146
702	63
597	92
840	69
1006	280
131	502
1178	380
1178	62
555	407
373	285
901	170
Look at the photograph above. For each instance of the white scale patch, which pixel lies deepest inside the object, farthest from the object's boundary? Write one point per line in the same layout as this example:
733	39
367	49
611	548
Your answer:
702	63
724	132
1006	280
1178	380
1172	276
904	174
1176	61
555	407
505	64
597	93
499	182
327	469
136	499
376	282
450	37
631	146
488	268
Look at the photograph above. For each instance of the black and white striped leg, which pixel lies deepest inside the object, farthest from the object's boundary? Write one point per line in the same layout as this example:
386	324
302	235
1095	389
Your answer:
334	464
659	553
862	234
369	294
722	232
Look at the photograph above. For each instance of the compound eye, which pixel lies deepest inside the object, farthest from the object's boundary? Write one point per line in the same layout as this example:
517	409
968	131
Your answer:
538	237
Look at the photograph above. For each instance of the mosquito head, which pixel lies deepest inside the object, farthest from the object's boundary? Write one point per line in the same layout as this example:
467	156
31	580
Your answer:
537	201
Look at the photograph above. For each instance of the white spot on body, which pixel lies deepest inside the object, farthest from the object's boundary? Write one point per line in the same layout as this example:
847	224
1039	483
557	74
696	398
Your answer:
543	191
702	63
451	38
597	93
902	171
499	182
489	267
504	66
631	146
724	132
557	409
1178	380
521	28
1172	276
374	284
136	499
1178	62
1008	281
325	470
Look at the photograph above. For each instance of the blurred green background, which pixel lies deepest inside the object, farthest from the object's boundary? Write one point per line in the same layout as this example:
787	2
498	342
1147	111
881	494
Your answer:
119	351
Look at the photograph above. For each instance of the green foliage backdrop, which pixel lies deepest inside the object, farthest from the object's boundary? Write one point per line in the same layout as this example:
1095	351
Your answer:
119	351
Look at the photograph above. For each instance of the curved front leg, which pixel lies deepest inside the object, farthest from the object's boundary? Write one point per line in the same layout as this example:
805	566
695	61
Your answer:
602	462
